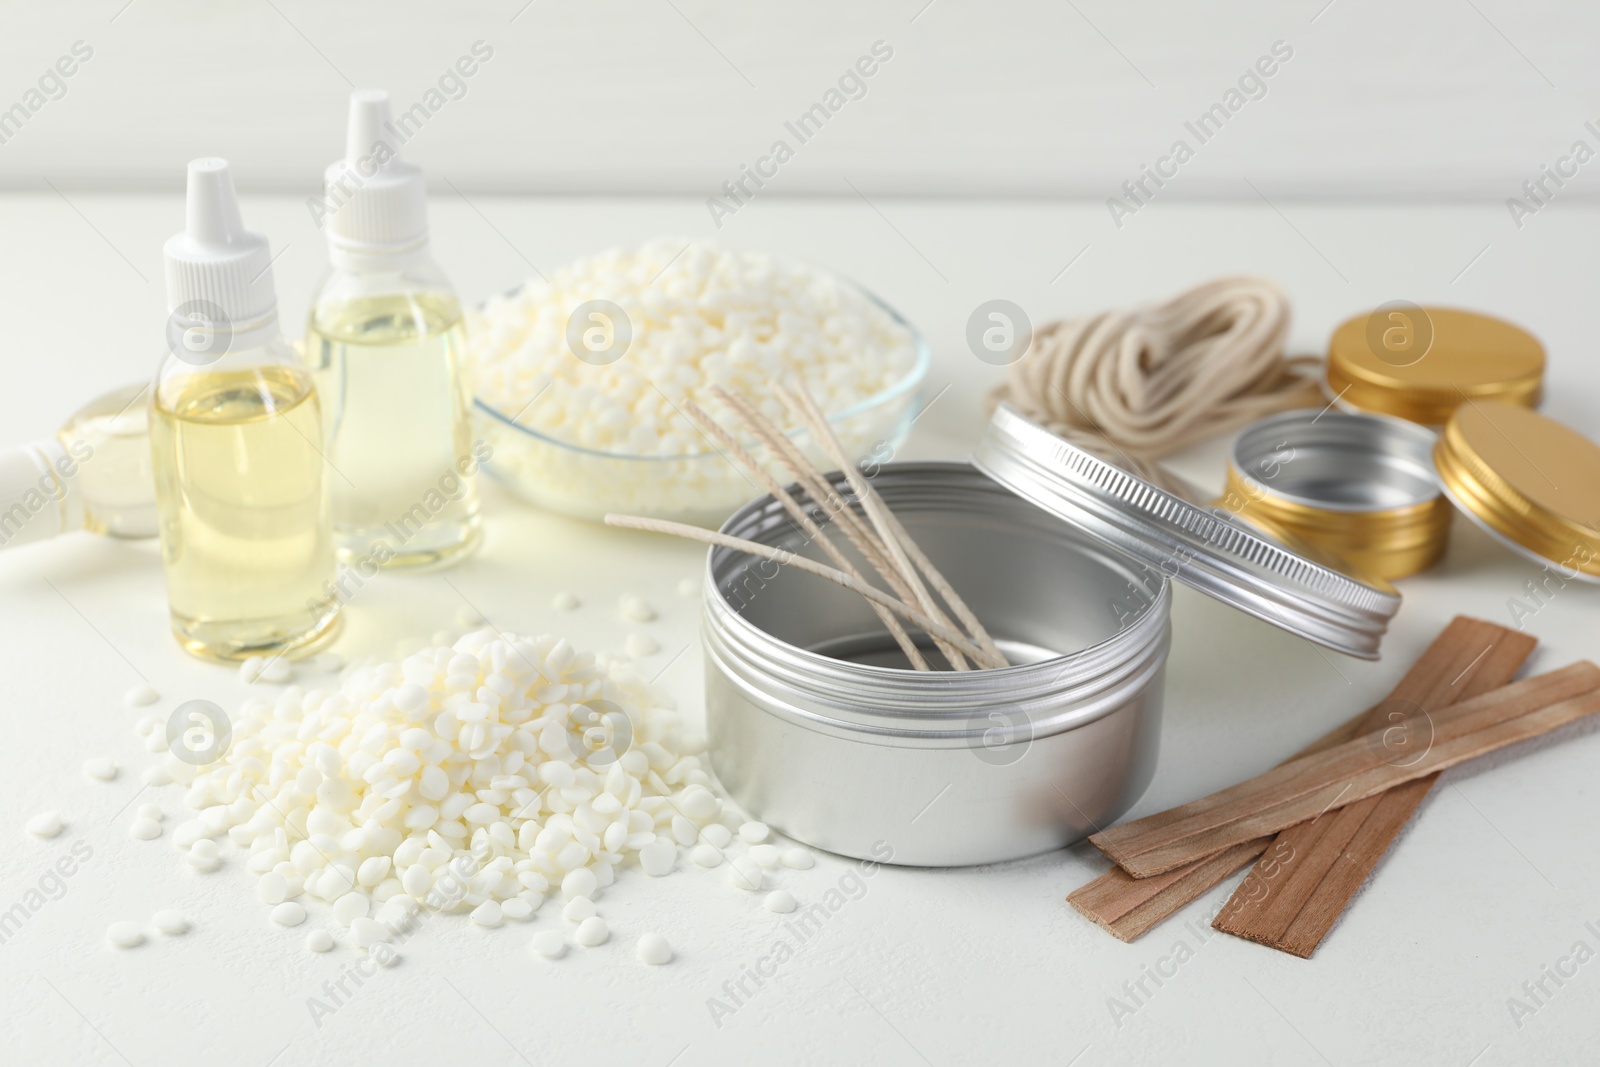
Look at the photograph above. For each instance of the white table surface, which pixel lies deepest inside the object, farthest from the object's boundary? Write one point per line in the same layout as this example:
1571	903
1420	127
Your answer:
1494	881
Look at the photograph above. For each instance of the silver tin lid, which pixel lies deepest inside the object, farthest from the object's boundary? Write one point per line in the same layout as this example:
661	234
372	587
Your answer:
1200	547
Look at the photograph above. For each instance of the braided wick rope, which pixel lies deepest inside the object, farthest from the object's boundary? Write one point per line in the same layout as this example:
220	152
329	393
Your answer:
1133	385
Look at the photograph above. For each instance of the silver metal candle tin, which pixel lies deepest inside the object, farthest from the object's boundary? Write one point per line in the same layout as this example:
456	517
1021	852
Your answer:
811	729
816	727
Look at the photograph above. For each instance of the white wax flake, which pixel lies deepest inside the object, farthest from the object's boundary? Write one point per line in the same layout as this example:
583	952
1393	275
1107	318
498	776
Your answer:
273	888
289	913
170	921
642	645
637	609
125	935
142	829
564	601
798	859
654	950
766	855
592	931
744	873
489	914
205	849
706	855
517	909
152	812
141	696
658	856
579	883
689	587
101	768
717	834
578	909
319	941
780	901
753	833
550	944
250	669
45	824
350	907
155	774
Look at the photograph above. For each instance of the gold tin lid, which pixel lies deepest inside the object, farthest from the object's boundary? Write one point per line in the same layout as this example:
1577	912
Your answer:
1422	363
1528	480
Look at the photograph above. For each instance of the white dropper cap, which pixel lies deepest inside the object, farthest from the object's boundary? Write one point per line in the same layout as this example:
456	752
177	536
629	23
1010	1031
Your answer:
377	202
219	275
39	496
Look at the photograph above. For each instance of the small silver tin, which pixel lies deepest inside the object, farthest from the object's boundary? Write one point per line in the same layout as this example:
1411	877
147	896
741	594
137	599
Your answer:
1204	548
812	727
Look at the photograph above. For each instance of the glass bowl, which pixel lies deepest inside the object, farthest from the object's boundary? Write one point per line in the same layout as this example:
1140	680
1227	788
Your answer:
702	488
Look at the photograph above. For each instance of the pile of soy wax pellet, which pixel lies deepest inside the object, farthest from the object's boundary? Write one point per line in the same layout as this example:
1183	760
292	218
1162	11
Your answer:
478	777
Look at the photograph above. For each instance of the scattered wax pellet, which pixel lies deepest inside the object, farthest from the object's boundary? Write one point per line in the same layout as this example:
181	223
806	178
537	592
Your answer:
744	873
273	888
658	856
580	882
642	645
717	834
319	941
205	849
780	901
637	609
753	833
766	855
352	906
152	812
170	921
517	909
798	859
141	696
578	909
142	829
202	863
550	944
564	602
102	768
276	671
250	669
706	855
654	950
489	914
289	913
45	824
125	935
592	931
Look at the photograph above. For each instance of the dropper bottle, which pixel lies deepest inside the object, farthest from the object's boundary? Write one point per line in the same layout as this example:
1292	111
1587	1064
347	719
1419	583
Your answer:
235	443
387	344
93	475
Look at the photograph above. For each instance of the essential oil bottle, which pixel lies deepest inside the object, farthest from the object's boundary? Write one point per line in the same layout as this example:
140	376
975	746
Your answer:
386	343
236	447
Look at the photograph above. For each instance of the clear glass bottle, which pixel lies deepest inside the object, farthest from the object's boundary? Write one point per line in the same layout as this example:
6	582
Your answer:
94	475
235	442
386	342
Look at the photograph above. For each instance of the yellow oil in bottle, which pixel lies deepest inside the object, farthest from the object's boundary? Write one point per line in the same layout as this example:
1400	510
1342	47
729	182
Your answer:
239	480
389	370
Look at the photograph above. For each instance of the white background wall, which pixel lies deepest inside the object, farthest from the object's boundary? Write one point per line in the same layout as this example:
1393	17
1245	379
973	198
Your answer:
1413	99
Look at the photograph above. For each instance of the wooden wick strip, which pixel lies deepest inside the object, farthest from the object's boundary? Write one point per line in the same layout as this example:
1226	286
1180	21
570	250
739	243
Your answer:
818	488
1455	666
1293	903
901	546
789	559
723	438
1312	785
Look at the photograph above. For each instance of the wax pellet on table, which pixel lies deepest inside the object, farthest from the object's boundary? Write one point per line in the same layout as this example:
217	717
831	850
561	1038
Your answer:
517	909
564	602
753	833
101	768
250	669
654	950
276	671
289	913
272	888
549	944
798	859
706	855
699	803
141	696
717	834
125	935
642	645
489	914
579	883
142	829
637	609
578	909
152	811
352	906
684	830
744	873
170	921
319	941
766	855
780	901
592	931
155	774
206	849
658	856
368	932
